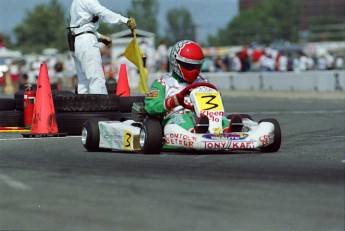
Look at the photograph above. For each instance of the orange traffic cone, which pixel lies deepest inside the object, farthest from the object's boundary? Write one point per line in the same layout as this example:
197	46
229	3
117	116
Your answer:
122	84
44	120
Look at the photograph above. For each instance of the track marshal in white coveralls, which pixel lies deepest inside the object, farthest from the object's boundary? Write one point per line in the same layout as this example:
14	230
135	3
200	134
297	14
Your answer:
84	22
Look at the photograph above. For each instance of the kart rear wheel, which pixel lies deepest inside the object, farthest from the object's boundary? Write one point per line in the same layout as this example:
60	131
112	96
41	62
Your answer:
151	136
90	134
274	147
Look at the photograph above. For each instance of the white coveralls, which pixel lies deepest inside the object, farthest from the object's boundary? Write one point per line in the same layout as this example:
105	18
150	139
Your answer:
87	55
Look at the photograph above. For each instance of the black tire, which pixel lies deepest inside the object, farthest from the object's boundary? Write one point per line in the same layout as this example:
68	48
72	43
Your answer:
242	115
90	134
11	119
86	103
72	122
7	104
126	102
19	100
151	136
19	97
62	93
275	146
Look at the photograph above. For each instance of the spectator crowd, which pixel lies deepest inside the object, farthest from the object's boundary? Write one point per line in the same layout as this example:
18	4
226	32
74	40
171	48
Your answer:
270	59
62	71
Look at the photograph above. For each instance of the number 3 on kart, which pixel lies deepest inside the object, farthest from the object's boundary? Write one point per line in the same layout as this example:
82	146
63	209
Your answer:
209	101
127	140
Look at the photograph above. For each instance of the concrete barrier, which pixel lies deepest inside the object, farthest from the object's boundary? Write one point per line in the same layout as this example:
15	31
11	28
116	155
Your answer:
309	81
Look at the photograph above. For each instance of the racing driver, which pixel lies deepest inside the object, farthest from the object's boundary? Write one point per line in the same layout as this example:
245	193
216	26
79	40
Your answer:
164	98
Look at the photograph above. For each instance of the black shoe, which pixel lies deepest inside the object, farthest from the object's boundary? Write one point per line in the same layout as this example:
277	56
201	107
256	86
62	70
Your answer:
201	124
236	123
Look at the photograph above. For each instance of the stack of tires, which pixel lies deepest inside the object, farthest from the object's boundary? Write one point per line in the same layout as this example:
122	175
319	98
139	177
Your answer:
72	110
10	116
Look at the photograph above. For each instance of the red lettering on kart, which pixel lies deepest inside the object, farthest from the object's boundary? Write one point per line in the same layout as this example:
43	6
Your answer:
266	139
179	139
235	145
213	115
215	145
228	145
243	145
180	136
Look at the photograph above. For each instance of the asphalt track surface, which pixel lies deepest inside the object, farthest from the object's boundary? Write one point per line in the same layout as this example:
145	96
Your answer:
55	184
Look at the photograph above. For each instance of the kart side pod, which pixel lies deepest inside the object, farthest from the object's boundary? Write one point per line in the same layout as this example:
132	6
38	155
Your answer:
119	135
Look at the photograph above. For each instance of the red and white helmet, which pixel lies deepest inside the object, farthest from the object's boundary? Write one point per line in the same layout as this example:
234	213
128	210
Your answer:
186	59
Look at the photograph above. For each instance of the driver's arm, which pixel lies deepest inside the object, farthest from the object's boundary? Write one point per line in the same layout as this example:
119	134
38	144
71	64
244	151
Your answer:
154	101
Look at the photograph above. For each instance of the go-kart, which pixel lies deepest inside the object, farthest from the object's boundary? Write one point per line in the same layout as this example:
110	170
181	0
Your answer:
149	136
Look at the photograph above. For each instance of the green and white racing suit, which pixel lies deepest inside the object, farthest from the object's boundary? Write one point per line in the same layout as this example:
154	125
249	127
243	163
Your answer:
164	87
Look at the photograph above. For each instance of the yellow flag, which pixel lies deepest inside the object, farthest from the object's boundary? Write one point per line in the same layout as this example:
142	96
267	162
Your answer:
135	55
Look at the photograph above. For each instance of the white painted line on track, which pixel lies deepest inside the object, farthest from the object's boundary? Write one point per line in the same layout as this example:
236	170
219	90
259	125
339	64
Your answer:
199	157
14	183
290	112
37	138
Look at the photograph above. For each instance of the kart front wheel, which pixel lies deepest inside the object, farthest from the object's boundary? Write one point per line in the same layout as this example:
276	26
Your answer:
90	134
274	147
151	136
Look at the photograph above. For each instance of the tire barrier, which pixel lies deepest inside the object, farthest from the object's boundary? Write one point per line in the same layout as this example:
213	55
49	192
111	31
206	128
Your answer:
126	102
11	118
7	104
86	103
72	110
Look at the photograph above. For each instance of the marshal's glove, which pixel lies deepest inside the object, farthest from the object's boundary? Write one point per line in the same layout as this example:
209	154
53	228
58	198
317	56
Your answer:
173	101
131	23
106	40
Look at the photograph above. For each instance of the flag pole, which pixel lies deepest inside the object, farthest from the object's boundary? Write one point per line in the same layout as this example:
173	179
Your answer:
136	56
134	33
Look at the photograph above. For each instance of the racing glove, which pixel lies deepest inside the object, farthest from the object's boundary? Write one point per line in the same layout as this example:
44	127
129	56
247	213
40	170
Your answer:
173	101
131	23
106	40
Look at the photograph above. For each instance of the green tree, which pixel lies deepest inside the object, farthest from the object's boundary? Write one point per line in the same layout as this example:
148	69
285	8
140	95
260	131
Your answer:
43	27
264	23
180	25
6	40
325	28
144	12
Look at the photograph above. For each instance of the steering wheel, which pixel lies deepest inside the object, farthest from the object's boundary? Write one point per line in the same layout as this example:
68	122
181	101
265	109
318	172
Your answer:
187	90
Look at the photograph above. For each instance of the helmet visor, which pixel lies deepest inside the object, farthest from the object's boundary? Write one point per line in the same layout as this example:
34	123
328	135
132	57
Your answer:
190	66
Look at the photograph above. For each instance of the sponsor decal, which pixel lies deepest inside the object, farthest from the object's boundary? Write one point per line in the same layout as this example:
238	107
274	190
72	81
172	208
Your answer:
228	144
213	115
242	136
176	119
265	140
152	94
217	130
108	137
105	134
179	139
